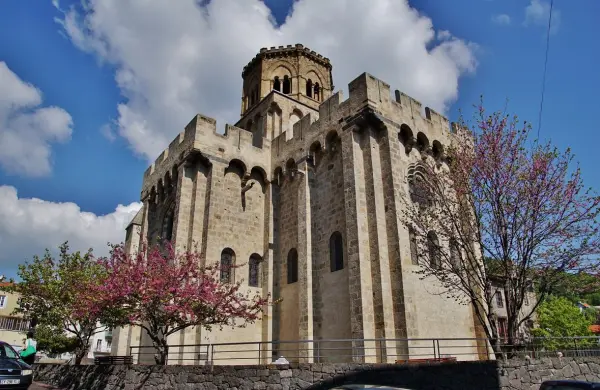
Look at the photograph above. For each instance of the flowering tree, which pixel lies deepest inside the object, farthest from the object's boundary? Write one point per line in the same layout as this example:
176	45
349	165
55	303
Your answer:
164	292
513	202
52	291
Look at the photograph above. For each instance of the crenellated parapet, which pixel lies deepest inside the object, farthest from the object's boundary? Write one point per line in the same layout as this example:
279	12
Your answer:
200	139
420	129
283	51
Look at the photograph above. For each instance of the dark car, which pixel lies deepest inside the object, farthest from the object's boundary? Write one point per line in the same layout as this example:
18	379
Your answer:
14	372
568	385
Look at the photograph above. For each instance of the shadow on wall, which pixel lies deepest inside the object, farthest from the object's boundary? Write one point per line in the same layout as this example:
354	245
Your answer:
452	376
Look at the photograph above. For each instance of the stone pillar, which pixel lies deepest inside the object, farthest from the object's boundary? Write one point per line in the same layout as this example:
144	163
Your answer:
382	284
267	277
305	265
359	260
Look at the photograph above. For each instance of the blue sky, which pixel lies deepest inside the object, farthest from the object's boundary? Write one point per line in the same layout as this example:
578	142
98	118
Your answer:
123	80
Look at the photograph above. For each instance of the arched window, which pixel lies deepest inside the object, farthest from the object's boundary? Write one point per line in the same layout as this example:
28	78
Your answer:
454	254
417	184
292	266
227	262
336	252
413	246
254	270
317	92
433	247
309	88
277	84
287	85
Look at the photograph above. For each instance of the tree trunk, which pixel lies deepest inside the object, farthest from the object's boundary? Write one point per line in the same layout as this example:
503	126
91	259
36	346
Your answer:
162	351
80	353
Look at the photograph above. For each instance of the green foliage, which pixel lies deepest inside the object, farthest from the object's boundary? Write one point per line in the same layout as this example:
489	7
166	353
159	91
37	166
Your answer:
54	341
558	317
53	290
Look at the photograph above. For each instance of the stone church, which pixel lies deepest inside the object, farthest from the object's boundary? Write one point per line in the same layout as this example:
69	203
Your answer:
303	194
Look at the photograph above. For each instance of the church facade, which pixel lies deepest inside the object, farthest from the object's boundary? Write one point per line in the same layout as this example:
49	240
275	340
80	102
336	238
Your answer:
303	195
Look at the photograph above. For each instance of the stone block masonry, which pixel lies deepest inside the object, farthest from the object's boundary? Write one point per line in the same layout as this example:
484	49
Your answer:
487	375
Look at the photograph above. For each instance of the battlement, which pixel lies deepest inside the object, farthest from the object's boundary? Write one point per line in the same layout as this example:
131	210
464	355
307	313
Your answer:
297	49
201	135
365	92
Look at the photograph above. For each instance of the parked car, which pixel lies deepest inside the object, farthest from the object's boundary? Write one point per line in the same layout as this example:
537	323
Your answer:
14	372
568	385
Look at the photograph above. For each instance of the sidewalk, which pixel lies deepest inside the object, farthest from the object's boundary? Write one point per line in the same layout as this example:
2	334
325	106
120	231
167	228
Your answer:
42	386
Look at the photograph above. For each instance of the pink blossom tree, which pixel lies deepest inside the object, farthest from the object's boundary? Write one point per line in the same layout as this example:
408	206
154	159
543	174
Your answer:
515	202
164	292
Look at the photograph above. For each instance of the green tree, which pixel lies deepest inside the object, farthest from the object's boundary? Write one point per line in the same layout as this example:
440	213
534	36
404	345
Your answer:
54	341
560	318
53	293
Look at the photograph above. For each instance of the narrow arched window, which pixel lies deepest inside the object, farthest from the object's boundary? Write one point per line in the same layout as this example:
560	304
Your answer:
277	84
454	254
413	246
433	247
254	270
317	92
167	224
336	252
309	88
226	267
292	266
287	85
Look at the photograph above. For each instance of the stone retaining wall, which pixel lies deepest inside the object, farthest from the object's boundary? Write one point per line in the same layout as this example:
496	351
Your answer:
510	375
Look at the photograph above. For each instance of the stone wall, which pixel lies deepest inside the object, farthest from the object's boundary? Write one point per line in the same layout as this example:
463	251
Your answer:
511	375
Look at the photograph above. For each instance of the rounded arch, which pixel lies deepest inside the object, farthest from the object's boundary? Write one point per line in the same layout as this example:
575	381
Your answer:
259	175
236	166
278	176
422	142
437	149
291	167
226	265
314	74
280	68
332	141
292	266
309	87
286	86
160	190
295	116
277	84
406	135
315	152
254	270
417	176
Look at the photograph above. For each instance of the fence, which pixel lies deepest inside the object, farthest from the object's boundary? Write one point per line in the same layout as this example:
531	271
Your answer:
365	350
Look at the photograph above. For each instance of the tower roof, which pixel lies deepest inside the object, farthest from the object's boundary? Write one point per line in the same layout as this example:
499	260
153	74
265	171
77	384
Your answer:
289	50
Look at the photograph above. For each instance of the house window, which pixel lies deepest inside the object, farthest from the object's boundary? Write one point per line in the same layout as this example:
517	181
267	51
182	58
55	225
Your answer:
454	254
499	299
309	87
503	329
413	246
227	261
277	84
2	301
254	270
98	345
336	252
292	266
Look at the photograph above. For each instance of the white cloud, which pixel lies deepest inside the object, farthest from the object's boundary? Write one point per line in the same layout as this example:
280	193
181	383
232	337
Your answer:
107	131
174	59
29	226
537	13
501	19
27	130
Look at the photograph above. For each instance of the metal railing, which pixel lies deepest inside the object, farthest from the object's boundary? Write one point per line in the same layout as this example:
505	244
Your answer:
366	350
